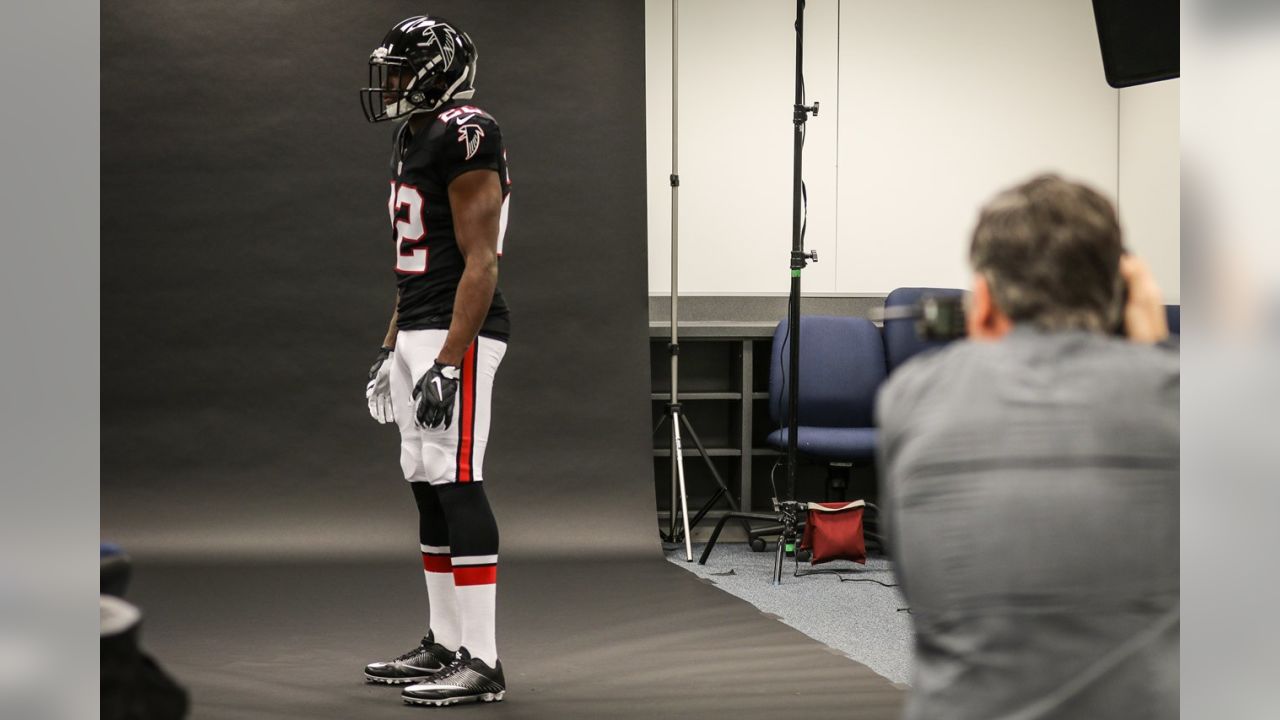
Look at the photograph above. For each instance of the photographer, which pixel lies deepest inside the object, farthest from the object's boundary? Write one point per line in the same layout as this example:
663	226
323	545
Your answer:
1030	477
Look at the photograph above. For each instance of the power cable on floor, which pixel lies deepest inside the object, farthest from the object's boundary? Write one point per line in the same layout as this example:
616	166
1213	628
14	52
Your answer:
838	573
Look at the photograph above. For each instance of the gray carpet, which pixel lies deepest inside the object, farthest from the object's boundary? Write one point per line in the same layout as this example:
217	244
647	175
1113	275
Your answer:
860	619
581	640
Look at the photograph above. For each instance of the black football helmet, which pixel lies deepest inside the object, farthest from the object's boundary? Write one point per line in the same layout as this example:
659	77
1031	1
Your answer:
432	62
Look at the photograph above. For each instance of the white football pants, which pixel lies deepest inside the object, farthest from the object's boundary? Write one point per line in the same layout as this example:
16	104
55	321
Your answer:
437	455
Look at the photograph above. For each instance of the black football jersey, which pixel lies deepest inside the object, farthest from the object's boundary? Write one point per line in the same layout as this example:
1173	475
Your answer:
429	264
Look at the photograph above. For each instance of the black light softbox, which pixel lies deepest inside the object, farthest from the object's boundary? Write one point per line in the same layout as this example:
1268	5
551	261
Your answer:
1139	40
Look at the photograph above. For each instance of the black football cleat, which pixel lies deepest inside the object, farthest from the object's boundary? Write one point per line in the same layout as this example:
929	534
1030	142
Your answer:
420	663
467	679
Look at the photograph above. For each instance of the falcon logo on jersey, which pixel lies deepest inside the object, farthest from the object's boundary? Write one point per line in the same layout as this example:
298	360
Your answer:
470	135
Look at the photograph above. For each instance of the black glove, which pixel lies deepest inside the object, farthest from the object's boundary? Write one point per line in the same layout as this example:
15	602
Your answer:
378	391
384	352
434	394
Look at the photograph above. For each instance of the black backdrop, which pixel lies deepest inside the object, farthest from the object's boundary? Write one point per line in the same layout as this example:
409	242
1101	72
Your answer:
246	277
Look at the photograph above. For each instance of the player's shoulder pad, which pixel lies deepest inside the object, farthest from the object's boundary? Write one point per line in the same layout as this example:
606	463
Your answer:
462	137
461	120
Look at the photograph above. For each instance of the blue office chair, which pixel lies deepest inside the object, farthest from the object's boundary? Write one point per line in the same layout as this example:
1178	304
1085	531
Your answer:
842	363
1173	314
117	567
901	340
841	367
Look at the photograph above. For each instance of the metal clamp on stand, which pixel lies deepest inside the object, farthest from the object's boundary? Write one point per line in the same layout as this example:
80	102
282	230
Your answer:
801	259
802	111
789	514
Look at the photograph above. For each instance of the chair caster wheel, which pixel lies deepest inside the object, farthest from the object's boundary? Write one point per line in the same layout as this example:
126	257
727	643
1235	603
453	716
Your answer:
757	545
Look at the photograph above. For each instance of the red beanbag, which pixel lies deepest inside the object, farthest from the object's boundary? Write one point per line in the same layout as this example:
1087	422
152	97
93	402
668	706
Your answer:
833	531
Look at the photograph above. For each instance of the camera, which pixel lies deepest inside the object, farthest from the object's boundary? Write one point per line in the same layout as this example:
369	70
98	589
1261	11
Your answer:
938	318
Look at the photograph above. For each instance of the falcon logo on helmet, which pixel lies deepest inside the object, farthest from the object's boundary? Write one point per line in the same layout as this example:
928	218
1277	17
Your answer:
422	63
442	38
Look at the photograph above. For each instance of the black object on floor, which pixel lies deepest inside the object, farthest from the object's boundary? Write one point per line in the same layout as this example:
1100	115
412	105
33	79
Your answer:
133	685
588	639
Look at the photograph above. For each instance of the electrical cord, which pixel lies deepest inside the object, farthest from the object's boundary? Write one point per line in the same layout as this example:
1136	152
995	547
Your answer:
804	193
773	472
804	225
786	337
804	212
837	572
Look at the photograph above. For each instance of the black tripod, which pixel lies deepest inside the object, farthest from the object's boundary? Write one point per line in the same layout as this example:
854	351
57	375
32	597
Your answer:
788	513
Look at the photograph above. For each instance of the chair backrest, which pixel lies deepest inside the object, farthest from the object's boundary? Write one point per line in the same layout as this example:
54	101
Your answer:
900	338
1173	314
841	367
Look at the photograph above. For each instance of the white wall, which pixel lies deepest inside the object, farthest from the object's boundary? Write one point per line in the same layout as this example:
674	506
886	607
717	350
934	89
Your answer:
928	108
943	104
1149	179
736	86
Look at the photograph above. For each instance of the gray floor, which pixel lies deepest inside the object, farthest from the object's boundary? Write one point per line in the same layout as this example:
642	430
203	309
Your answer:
580	639
860	619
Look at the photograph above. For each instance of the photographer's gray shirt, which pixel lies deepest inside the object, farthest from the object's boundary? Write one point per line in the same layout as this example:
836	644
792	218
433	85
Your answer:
1030	489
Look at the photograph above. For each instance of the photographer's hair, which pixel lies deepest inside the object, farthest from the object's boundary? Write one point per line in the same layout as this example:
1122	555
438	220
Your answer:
1050	252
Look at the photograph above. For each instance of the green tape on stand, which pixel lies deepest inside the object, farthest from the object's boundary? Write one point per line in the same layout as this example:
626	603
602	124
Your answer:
795	273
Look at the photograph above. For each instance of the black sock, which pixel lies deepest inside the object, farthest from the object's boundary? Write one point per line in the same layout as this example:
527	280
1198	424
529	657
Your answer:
437	566
473	538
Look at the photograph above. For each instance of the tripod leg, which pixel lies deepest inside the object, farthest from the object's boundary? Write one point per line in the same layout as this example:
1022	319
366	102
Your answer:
702	512
677	465
790	511
715	535
777	558
697	442
661	421
724	489
670	536
678	454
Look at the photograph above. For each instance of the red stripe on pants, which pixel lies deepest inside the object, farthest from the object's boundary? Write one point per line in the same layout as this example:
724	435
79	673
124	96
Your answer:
475	575
436	563
467	414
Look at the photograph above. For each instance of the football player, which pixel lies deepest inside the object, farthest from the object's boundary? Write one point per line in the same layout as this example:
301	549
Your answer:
434	375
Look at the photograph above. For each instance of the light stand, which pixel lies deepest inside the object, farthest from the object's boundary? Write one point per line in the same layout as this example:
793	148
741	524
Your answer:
788	511
674	412
787	507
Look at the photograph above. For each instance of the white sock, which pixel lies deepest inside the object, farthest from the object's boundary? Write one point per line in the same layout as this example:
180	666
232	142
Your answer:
476	580
445	625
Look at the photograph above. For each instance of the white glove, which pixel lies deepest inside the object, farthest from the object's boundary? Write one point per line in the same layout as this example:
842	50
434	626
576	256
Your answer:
378	391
